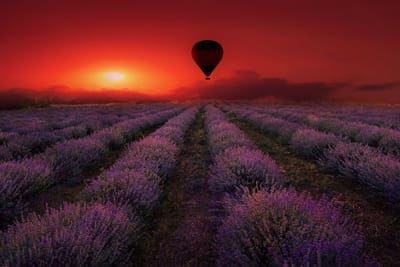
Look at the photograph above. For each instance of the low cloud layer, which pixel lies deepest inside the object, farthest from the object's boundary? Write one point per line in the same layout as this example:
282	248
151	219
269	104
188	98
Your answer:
247	84
378	86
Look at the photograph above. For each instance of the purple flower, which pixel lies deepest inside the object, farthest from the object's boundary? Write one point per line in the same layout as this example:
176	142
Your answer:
390	143
285	228
242	167
367	166
311	144
283	129
71	157
18	179
134	179
124	187
152	154
222	134
74	235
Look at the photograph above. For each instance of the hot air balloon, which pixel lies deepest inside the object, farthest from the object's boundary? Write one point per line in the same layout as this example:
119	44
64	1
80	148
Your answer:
207	54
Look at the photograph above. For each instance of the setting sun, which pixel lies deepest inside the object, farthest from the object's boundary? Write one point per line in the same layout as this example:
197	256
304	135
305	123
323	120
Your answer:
114	76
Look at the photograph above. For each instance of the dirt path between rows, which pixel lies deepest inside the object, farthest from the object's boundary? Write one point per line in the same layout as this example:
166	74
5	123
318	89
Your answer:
378	219
182	229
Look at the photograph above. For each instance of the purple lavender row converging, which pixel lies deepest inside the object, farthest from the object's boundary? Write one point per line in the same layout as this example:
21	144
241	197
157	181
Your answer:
265	225
362	163
67	160
238	164
15	146
135	178
385	139
105	231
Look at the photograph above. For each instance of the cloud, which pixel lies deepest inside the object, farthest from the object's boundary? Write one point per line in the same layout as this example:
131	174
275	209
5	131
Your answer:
248	84
377	86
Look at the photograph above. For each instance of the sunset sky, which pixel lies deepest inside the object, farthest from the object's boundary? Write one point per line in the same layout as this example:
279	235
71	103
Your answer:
81	44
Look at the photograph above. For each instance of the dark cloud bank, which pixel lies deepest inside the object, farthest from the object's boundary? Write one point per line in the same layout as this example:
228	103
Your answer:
251	85
378	86
244	85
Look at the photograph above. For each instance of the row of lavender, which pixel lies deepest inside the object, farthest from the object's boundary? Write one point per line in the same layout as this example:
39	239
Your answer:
356	161
27	121
104	231
385	139
36	138
265	224
384	116
66	161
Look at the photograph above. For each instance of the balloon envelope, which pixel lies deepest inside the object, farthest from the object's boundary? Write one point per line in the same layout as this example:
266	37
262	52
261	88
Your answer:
207	54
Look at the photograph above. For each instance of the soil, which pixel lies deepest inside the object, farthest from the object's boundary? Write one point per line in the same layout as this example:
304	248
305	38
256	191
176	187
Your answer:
182	230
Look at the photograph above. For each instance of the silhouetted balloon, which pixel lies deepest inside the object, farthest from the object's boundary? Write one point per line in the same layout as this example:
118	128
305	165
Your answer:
207	54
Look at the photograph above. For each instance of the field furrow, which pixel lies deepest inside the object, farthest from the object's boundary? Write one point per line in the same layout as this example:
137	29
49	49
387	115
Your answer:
182	231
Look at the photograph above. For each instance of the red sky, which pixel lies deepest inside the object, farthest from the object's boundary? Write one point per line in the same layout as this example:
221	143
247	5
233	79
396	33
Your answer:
74	42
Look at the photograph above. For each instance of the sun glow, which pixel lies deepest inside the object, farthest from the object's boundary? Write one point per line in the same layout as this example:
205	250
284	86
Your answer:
111	75
114	76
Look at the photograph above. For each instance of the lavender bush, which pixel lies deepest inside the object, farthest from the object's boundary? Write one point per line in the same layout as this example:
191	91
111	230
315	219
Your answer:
71	157
124	187
101	233
387	140
366	165
74	235
222	134
238	164
283	129
339	127
65	161
311	144
155	155
370	135
112	137
236	168
152	154
390	144
345	125
283	228
134	179
21	178
33	138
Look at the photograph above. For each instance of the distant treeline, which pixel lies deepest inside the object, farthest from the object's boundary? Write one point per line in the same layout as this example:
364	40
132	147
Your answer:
10	100
25	98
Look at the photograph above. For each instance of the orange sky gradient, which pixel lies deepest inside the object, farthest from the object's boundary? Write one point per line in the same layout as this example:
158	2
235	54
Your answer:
74	43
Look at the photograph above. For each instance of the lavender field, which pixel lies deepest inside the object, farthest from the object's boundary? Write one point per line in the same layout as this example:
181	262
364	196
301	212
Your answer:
216	184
